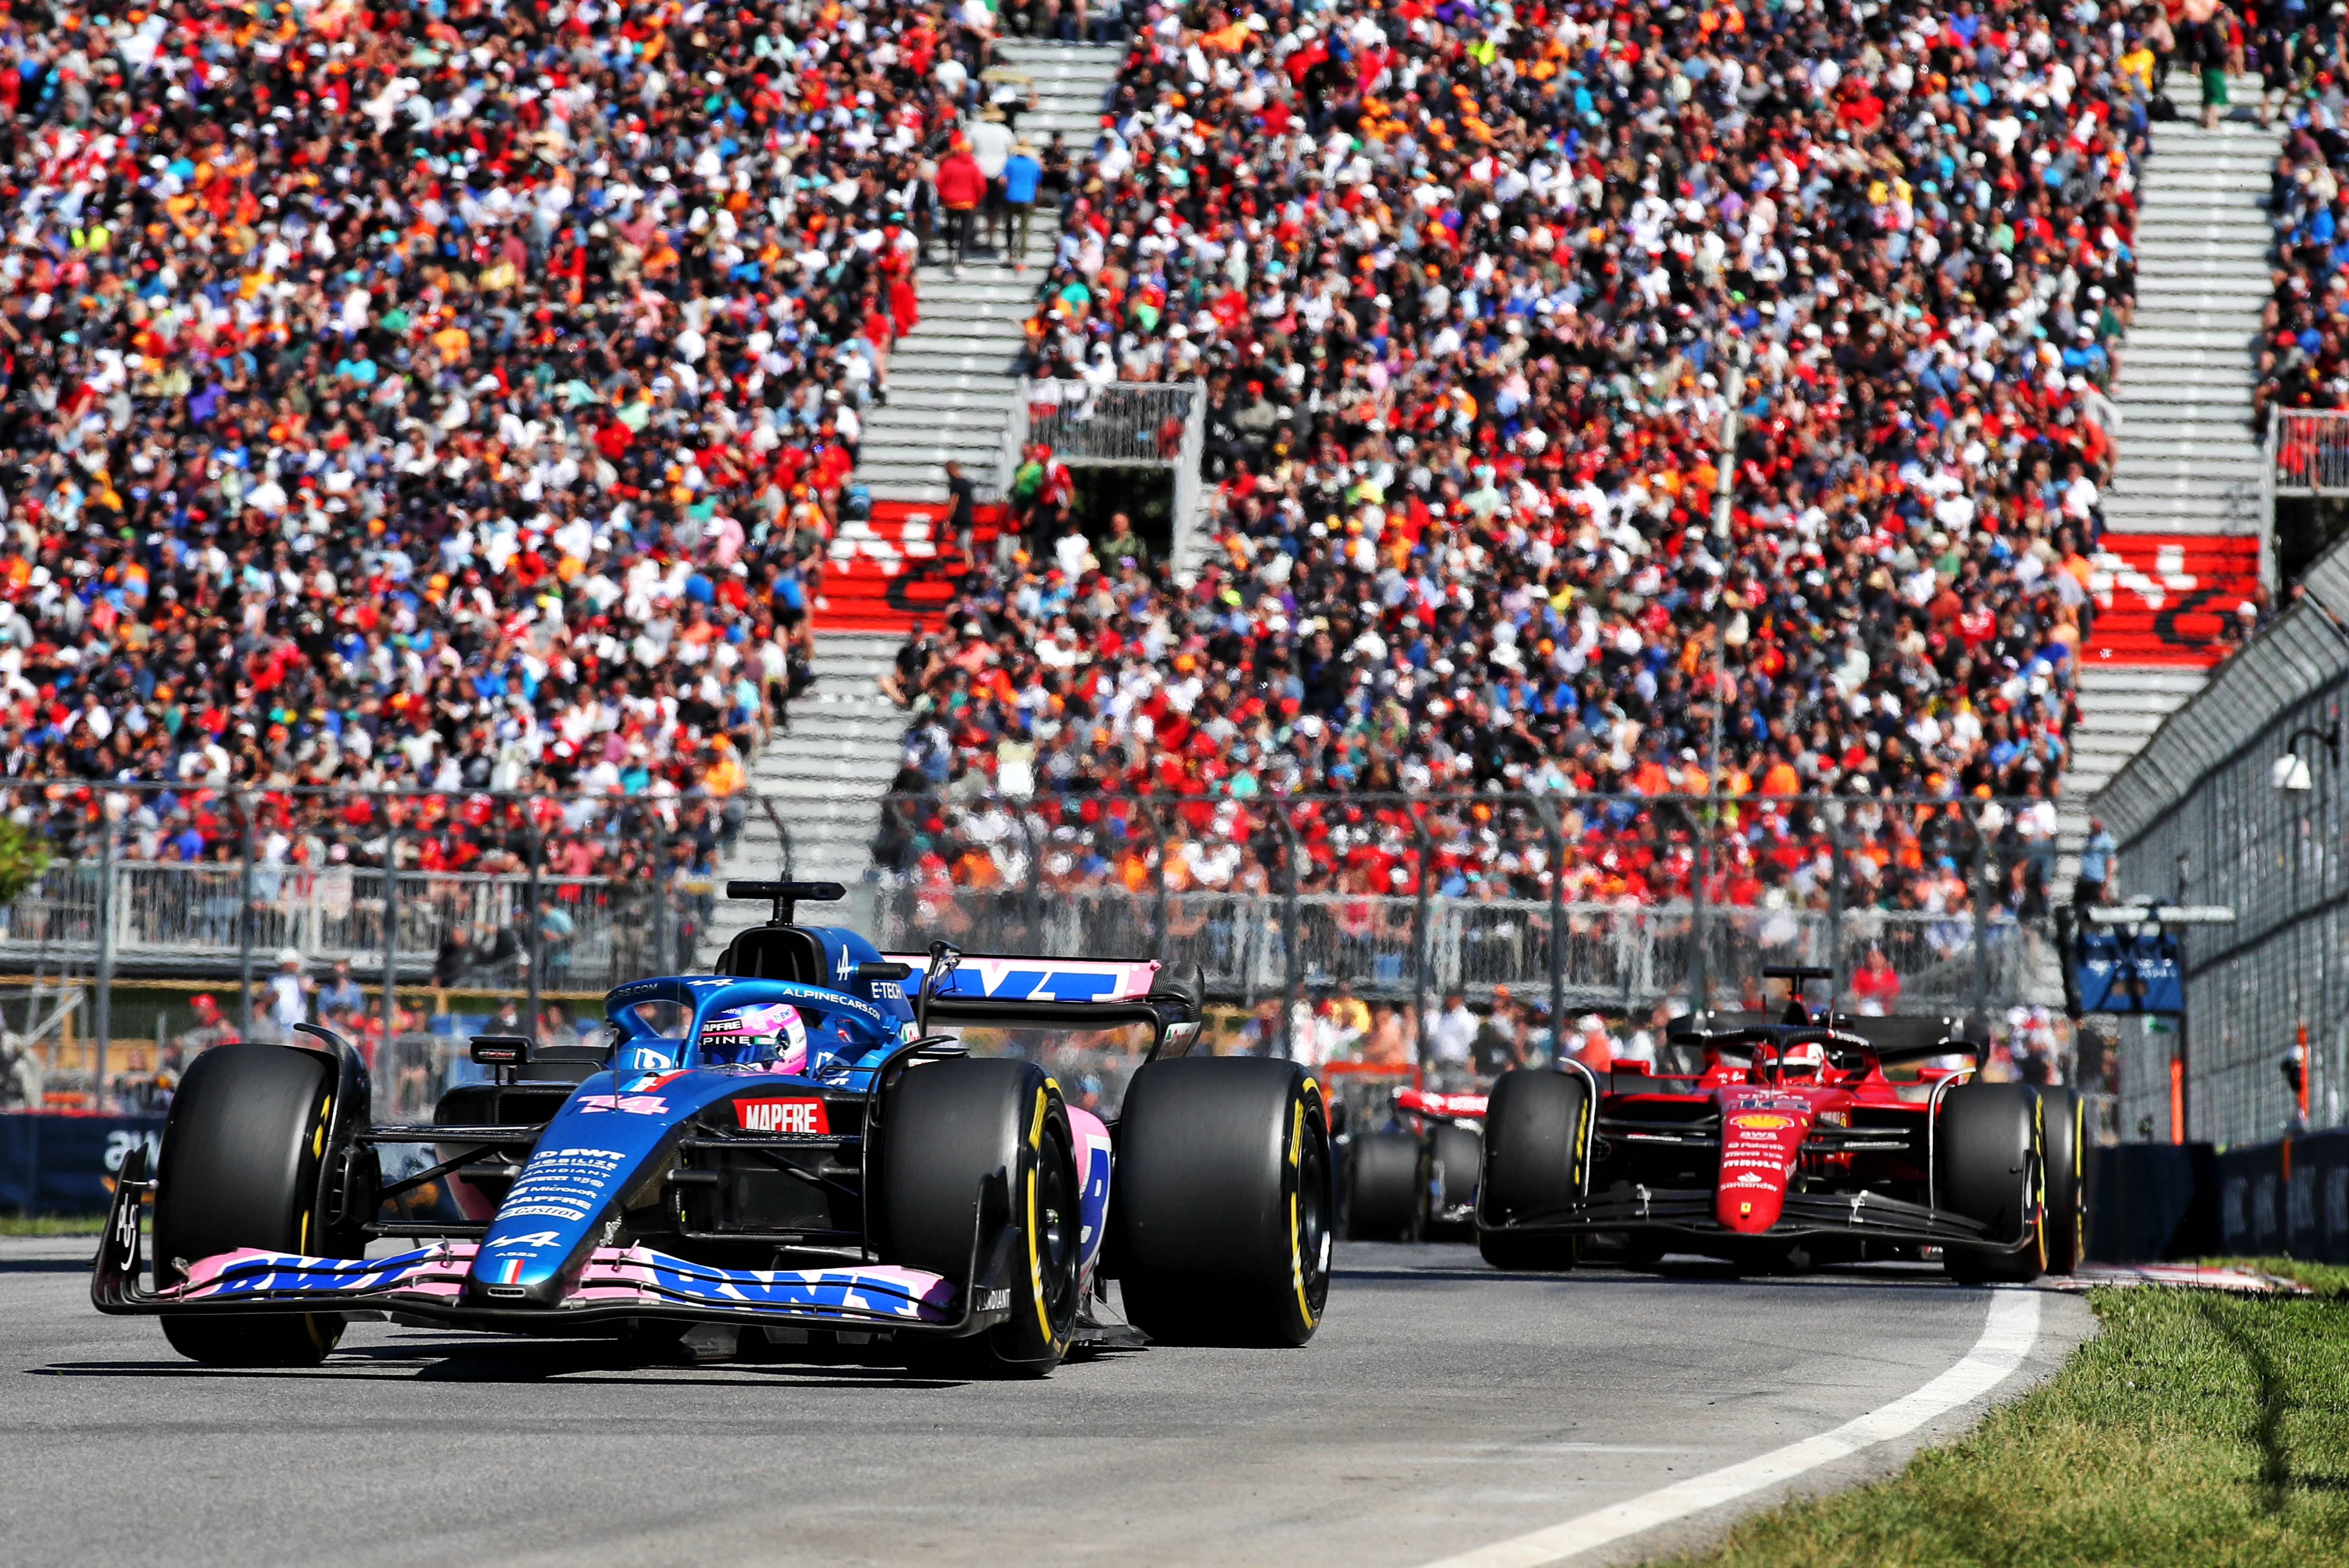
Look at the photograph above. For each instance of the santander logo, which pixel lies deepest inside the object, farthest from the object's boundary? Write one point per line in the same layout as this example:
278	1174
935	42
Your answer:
794	1115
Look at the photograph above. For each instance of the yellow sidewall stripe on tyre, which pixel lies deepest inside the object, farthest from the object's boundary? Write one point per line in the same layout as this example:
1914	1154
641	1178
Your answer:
1295	1230
1036	1259
310	1321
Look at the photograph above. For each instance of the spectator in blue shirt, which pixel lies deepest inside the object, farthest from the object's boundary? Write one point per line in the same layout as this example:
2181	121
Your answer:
2096	864
1022	174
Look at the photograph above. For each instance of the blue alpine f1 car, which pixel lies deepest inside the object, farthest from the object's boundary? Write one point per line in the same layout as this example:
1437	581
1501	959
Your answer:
791	1144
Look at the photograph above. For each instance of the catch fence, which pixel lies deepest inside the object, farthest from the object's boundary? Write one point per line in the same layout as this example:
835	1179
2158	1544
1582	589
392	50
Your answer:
2239	801
1619	906
546	899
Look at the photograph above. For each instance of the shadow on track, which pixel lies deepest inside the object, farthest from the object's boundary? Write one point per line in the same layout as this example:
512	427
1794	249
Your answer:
478	1372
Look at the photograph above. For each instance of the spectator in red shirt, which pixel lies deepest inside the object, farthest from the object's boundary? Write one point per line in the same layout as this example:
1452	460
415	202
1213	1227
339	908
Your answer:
1877	986
961	187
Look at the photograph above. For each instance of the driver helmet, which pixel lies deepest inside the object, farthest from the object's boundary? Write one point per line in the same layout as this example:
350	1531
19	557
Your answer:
1807	1060
767	1033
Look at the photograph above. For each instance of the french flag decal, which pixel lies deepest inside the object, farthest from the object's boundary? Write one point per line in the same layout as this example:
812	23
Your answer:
514	1271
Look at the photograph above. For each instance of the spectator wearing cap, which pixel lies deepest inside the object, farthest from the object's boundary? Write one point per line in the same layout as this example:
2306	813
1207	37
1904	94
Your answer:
290	991
1023	176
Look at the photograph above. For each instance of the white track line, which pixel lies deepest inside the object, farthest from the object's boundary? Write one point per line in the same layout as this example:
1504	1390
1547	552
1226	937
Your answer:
2008	1333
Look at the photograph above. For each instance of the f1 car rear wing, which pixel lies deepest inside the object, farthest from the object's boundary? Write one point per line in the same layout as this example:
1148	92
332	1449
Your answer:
1011	977
1012	991
1912	1039
1886	1040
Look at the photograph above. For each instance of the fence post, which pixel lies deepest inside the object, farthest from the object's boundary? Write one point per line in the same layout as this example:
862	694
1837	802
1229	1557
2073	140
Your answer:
1184	547
1554	829
243	915
2267	501
102	1024
1421	911
1293	946
390	925
1031	896
1984	892
1700	974
1834	814
536	937
664	945
1158	912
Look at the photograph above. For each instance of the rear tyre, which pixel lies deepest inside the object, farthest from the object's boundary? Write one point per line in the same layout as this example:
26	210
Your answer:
1989	1153
1223	1200
241	1157
2065	1122
1536	1141
1457	1160
1386	1190
969	1150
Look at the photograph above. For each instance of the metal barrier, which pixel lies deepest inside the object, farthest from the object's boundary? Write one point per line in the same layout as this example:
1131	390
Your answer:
1118	422
2308	451
482	891
1410	899
1615	905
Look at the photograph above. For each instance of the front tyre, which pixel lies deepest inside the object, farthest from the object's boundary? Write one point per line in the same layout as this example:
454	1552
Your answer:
1988	1158
1222	1194
2065	1121
1537	1147
970	1150
242	1152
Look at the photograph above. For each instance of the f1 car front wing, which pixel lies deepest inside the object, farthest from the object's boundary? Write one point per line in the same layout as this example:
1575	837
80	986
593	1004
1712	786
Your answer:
617	1282
1689	1212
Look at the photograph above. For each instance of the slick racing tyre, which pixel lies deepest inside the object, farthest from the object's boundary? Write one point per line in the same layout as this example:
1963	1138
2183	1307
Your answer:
1386	1187
1988	1155
980	1149
1536	1141
1456	1159
1222	1199
242	1152
2064	1120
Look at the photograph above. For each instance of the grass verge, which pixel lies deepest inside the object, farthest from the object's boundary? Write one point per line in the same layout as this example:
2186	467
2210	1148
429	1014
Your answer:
2200	1427
51	1224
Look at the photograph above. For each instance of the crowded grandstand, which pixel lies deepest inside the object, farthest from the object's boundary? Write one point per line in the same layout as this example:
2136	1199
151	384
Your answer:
464	401
1471	289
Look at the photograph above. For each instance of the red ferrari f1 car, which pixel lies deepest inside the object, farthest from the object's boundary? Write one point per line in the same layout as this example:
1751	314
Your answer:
1787	1146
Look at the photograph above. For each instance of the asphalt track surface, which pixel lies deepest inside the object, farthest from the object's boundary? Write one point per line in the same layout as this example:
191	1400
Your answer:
1442	1407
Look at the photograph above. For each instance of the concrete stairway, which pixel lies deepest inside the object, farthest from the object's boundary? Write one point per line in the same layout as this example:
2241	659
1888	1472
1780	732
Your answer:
826	777
2188	462
950	390
950	380
2119	710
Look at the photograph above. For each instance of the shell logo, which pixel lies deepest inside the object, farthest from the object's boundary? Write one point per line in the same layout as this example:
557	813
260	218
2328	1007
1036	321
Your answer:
1758	1123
